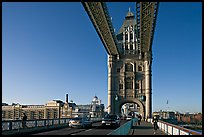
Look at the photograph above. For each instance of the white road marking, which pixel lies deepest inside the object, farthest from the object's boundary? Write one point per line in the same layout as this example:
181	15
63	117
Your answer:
89	130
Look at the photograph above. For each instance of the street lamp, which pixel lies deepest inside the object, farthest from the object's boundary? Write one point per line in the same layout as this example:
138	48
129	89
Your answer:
116	99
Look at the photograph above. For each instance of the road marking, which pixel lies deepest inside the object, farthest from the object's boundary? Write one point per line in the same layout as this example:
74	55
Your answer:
88	130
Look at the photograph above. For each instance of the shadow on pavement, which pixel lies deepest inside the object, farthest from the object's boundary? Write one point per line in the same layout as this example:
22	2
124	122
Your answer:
142	127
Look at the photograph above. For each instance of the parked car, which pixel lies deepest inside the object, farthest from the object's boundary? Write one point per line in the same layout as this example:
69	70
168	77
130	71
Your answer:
110	121
80	122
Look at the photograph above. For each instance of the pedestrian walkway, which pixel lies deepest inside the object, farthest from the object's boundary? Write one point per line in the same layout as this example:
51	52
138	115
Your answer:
145	128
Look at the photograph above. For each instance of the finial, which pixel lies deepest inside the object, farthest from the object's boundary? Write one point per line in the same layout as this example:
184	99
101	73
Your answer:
129	9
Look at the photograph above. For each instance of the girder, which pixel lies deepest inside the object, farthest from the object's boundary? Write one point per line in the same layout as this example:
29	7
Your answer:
146	14
98	13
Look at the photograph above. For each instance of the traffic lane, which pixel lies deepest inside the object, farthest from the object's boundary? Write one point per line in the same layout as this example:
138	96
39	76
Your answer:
94	132
95	129
98	130
64	131
98	124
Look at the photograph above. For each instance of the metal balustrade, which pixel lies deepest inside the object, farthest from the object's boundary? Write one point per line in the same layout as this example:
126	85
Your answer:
17	124
8	125
172	129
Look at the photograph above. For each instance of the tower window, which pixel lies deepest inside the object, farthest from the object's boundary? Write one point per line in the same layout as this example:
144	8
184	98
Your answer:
131	46
128	83
137	85
129	67
126	36
139	68
131	36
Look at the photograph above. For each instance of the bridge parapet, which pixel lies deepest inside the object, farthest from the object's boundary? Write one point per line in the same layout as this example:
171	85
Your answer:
17	124
172	129
10	127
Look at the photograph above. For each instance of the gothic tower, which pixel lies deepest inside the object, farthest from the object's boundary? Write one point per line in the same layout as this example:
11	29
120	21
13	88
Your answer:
129	74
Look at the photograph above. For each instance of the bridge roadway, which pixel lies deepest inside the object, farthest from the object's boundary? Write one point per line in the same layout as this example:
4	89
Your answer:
95	130
145	128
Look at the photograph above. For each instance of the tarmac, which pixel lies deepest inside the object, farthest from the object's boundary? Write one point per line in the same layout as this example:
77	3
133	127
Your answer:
145	128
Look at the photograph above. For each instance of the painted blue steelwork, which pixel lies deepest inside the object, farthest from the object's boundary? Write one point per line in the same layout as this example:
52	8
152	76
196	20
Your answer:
124	129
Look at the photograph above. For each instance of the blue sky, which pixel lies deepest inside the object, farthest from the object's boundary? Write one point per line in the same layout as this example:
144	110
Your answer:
50	49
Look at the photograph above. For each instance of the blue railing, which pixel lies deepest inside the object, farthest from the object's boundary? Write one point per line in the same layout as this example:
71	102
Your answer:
124	129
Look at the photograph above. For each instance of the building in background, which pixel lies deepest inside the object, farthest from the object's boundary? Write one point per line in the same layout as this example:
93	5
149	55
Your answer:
15	111
97	108
179	118
189	118
167	116
53	109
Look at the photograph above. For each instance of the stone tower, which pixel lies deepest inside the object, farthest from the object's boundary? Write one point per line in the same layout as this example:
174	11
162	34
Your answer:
129	74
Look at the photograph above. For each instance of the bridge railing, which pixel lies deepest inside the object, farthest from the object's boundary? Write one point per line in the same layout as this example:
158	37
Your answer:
172	129
17	124
8	125
124	129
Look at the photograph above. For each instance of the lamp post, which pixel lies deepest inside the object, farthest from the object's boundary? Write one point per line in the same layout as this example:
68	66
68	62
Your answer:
116	99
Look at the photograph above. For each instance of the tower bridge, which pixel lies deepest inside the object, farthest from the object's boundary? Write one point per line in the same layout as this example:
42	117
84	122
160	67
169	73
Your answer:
129	77
129	54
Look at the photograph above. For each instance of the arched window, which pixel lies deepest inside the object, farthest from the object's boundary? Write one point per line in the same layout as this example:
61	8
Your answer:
131	46
128	67
139	68
126	36
131	35
137	85
128	83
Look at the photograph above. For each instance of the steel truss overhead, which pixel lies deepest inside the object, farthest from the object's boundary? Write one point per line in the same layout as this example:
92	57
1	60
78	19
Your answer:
100	18
146	14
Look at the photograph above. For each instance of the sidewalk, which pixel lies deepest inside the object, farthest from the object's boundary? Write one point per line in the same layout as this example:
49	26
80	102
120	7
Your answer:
145	128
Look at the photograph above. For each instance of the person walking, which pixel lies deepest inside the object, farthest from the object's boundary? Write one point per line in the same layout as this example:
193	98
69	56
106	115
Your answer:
155	126
24	120
139	119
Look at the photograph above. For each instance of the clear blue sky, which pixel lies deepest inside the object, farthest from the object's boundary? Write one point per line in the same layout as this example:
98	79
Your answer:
50	49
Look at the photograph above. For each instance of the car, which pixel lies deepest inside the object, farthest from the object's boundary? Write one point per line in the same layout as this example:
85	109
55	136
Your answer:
128	117
80	122
110	120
